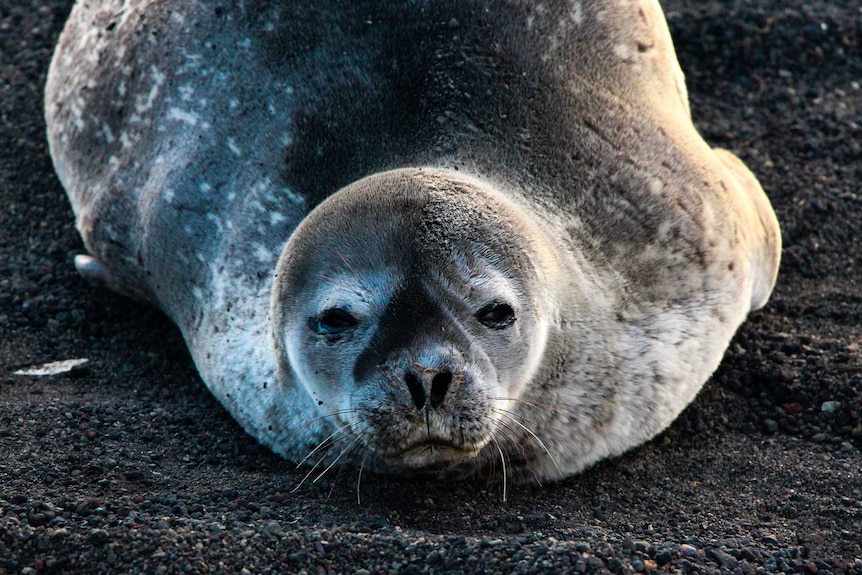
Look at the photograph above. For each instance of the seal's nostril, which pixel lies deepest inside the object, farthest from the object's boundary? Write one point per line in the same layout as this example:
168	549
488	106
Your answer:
414	386
439	387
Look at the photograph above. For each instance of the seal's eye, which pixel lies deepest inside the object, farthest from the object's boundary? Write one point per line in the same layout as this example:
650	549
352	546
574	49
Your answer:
496	315
335	321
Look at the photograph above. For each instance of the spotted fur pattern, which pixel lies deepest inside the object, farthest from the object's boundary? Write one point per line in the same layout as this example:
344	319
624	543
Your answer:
194	138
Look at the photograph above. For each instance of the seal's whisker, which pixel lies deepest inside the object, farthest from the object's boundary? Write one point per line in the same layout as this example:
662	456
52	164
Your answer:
359	477
355	444
525	463
513	438
328	439
511	417
510	413
333	413
310	471
559	408
332	438
334	482
338	458
535	404
505	473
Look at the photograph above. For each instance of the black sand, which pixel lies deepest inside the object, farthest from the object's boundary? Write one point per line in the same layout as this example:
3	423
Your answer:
128	465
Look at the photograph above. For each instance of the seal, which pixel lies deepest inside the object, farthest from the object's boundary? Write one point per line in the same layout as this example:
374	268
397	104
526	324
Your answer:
441	236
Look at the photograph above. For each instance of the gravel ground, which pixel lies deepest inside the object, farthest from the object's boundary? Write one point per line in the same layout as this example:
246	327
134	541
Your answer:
127	465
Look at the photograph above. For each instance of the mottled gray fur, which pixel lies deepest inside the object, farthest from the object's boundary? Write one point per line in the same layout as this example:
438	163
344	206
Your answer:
195	137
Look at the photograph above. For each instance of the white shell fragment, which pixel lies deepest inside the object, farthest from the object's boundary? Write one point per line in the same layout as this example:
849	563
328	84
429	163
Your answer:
53	368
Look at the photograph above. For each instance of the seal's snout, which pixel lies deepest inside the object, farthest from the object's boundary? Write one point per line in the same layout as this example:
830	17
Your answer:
436	382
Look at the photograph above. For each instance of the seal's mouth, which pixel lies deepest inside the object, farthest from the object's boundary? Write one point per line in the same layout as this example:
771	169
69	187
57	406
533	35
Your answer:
432	454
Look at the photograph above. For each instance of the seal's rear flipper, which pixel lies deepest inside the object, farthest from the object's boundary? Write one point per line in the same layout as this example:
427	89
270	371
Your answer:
92	270
768	255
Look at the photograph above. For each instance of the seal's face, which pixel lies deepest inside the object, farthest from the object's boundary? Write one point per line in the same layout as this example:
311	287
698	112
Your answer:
413	322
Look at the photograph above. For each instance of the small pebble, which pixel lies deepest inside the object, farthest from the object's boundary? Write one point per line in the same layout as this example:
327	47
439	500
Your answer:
271	528
98	537
664	557
830	406
687	551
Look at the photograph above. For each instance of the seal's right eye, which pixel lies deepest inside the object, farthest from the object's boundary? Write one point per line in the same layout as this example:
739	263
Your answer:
496	315
335	321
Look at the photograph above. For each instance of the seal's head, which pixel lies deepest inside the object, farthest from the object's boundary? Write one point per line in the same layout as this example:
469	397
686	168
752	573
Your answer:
411	306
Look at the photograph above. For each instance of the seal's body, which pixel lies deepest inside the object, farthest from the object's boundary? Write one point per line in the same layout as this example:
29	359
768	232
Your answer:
429	235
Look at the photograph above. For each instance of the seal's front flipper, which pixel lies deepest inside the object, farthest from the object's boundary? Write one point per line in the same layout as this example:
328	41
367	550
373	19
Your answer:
92	270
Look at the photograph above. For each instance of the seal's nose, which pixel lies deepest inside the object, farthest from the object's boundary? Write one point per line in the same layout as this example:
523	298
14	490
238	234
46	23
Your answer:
436	381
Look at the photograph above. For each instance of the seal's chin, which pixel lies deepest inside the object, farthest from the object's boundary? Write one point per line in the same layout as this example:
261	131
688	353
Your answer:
430	456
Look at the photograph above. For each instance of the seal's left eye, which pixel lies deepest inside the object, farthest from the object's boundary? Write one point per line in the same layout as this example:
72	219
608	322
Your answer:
496	315
335	321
